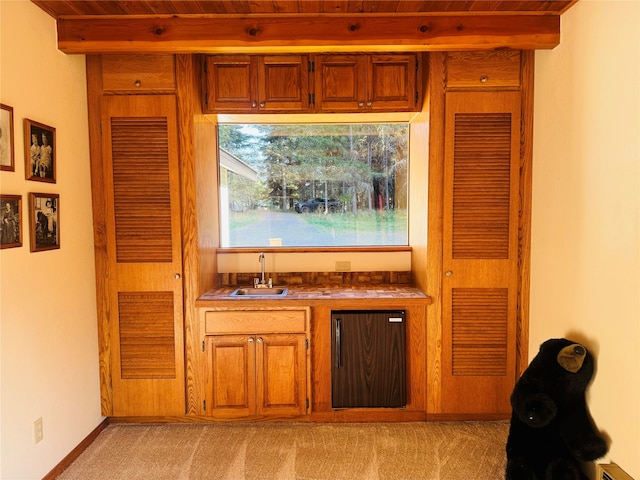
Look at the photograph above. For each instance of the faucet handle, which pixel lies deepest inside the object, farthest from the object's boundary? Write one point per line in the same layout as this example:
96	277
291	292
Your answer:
256	282
270	282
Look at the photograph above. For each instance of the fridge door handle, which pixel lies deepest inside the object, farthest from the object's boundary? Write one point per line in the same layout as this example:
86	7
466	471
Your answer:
338	343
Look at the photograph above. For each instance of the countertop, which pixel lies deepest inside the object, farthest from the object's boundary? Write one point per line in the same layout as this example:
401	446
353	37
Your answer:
308	295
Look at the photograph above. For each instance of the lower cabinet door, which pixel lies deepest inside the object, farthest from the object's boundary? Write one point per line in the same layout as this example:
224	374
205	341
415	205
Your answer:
256	375
281	374
231	380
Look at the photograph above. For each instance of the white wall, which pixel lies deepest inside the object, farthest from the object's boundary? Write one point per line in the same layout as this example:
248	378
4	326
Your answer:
585	280
48	331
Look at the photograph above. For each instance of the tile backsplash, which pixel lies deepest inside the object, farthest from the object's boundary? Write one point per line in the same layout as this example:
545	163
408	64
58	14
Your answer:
319	278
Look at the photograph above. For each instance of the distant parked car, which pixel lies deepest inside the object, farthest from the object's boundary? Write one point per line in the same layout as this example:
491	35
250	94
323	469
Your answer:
312	205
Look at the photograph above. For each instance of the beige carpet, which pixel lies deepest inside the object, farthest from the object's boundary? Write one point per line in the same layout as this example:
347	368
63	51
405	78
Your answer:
365	451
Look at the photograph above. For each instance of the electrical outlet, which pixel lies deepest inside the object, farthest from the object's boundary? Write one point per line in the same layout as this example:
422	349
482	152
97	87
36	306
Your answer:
343	266
38	433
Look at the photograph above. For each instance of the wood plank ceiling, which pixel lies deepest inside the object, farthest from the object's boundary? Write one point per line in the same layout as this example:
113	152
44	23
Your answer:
184	26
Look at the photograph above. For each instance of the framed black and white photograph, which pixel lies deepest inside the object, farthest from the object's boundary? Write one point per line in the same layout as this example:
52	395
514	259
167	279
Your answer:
39	151
44	221
11	226
7	155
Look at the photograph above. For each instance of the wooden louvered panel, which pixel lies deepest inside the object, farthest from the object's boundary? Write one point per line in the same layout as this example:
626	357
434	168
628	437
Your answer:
143	278
481	185
147	339
142	203
479	331
480	245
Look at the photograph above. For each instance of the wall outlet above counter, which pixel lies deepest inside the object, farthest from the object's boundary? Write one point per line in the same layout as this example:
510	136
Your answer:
343	266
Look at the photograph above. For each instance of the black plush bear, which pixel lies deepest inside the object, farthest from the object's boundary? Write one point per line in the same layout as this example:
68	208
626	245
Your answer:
551	431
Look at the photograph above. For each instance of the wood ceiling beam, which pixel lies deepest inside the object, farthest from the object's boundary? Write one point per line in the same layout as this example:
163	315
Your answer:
284	33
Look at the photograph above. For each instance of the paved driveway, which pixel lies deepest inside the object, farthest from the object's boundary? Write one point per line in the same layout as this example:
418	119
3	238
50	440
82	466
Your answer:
294	231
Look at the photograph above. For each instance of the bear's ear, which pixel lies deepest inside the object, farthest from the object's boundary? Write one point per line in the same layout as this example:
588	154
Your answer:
572	357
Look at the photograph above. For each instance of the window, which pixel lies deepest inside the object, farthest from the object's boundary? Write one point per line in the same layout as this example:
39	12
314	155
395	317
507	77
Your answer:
313	185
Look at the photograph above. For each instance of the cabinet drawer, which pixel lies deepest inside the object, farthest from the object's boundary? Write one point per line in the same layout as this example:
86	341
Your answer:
255	321
483	69
138	73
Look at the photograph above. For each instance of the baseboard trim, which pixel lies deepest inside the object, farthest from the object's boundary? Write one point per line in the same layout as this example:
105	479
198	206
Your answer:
75	453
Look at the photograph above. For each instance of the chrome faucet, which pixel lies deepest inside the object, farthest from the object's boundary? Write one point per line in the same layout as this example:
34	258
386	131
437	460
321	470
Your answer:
260	282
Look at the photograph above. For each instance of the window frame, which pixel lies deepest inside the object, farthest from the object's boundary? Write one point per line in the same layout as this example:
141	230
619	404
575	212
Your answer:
319	118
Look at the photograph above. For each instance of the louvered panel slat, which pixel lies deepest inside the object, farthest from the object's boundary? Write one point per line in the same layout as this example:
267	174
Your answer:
142	203
147	339
479	331
481	186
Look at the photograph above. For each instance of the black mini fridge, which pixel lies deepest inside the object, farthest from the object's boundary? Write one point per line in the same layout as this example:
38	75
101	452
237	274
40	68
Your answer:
369	359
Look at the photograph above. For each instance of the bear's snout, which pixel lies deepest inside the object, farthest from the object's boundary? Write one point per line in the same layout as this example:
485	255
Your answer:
572	357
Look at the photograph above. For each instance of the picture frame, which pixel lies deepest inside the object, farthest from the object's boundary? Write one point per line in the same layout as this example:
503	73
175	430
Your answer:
44	221
39	152
7	151
11	221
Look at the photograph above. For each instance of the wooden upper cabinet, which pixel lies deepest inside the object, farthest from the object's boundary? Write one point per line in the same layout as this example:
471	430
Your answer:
391	82
471	70
354	83
256	84
366	83
340	82
230	84
136	74
283	83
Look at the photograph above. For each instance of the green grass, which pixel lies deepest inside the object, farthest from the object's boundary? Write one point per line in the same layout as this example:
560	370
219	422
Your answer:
364	221
240	219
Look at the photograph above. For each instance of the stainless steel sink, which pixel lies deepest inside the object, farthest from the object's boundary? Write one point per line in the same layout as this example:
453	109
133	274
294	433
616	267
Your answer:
259	292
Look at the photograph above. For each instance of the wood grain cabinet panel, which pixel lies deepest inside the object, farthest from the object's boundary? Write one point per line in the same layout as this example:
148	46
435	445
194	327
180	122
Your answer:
392	82
231	381
137	74
480	250
256	375
143	278
283	83
230	84
366	83
340	83
485	70
256	83
256	363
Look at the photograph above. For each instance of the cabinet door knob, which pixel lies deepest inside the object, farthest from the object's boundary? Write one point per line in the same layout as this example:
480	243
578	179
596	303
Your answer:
254	104
483	79
261	104
259	339
177	276
448	273
250	340
361	104
369	104
137	83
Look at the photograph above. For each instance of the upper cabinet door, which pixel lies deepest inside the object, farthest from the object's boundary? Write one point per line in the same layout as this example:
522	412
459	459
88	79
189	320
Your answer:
256	84
340	83
366	83
356	83
132	74
231	84
283	83
392	83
